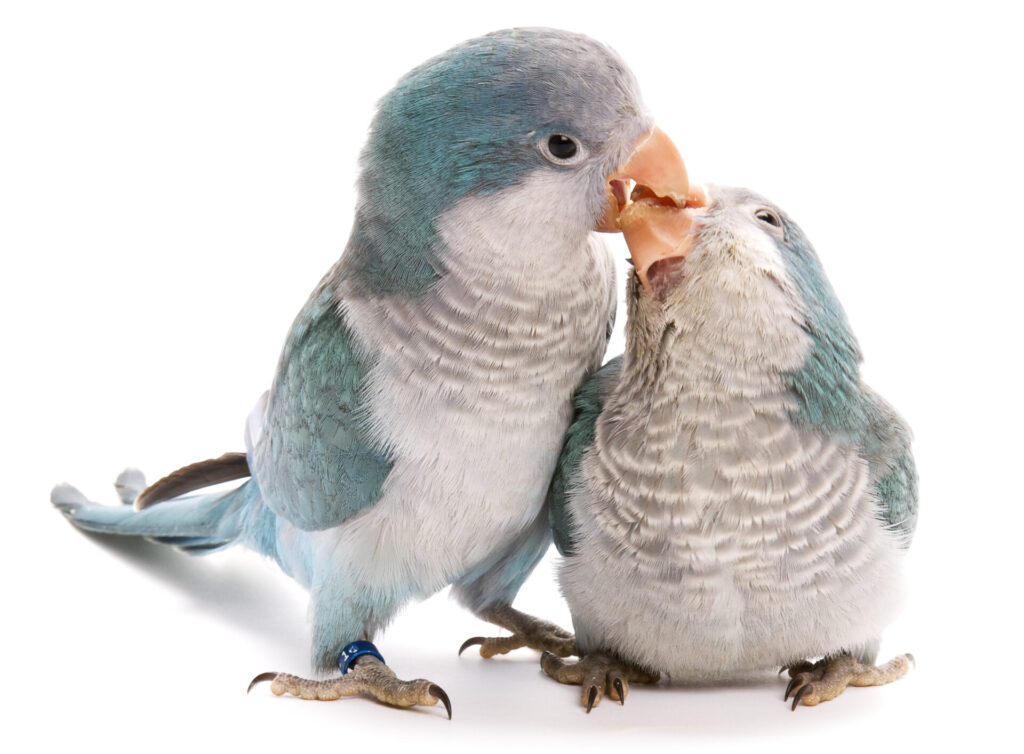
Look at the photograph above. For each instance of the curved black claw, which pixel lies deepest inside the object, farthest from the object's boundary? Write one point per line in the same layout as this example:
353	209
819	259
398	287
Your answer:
260	679
617	683
804	691
591	698
437	691
793	683
472	641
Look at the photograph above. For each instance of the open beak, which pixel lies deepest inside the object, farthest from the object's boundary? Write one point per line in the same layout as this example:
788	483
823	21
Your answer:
655	165
655	231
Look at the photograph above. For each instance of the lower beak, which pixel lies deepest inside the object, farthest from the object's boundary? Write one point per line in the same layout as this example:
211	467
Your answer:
654	231
655	164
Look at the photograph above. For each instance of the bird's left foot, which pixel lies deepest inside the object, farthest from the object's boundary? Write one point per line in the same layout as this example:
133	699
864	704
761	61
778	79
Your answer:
824	680
369	675
527	631
597	674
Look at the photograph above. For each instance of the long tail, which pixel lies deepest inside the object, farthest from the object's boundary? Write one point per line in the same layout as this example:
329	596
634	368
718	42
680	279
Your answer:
195	476
195	523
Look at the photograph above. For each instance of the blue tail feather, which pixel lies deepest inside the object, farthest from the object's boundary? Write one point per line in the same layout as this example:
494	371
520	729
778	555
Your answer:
195	523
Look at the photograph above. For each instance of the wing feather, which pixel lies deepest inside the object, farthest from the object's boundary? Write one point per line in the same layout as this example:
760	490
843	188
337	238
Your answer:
587	403
315	462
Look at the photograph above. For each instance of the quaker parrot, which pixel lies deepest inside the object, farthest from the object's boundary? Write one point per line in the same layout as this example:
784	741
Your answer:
420	402
731	496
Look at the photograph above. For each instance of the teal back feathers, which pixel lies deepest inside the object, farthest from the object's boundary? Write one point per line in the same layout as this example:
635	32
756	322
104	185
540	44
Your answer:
588	404
314	415
828	383
832	397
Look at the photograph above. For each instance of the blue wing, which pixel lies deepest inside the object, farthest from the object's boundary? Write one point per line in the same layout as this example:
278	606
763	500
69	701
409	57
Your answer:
886	446
315	464
587	403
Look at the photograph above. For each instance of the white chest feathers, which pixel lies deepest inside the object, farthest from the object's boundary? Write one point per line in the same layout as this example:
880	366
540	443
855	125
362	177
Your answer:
471	388
719	538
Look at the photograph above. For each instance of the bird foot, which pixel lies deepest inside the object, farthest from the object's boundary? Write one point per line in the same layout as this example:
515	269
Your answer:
598	675
368	675
824	680
527	631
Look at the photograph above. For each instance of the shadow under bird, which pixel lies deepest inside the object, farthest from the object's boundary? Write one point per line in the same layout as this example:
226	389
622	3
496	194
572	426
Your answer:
423	393
731	496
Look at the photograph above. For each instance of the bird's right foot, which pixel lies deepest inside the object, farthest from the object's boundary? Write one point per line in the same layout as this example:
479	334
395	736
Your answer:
598	675
368	674
526	630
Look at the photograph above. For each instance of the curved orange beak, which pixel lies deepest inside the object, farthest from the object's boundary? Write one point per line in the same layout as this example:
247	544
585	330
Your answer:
655	164
655	230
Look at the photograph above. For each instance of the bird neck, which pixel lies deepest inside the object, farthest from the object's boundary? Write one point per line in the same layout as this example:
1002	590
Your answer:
713	339
523	303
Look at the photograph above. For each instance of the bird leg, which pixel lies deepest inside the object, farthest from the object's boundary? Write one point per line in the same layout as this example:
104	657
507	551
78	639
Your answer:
369	675
598	674
826	679
527	631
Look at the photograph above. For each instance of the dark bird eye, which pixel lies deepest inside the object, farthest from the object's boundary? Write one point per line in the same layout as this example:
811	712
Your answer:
768	217
561	146
561	149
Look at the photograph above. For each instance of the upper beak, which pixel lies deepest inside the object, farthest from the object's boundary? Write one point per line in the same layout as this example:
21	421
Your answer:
654	231
656	164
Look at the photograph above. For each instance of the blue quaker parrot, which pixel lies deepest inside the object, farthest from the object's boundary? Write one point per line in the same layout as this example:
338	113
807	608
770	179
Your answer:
422	396
731	496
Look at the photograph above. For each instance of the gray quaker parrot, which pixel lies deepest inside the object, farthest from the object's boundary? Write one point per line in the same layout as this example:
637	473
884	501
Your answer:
424	390
731	497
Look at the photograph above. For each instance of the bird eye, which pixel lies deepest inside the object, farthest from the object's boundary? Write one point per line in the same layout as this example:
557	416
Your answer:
561	146
561	149
768	217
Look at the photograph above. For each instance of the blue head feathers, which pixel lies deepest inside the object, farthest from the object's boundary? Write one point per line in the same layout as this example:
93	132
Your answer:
474	120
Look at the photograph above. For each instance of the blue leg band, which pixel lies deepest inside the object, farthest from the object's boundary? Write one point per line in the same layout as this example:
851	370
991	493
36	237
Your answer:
354	650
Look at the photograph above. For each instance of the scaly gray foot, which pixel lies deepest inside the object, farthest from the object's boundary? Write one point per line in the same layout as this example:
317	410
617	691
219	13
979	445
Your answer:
527	631
368	675
824	680
598	675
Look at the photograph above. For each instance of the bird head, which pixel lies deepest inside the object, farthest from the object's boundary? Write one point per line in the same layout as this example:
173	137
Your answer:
548	116
731	269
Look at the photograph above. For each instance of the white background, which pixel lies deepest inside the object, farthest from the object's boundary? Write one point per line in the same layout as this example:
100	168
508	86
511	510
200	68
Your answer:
175	178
